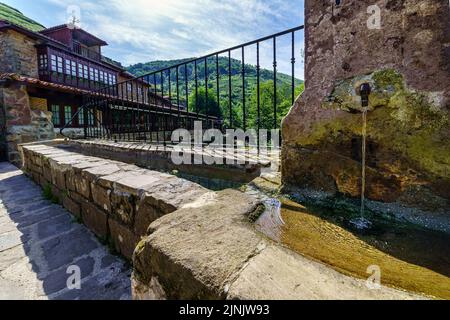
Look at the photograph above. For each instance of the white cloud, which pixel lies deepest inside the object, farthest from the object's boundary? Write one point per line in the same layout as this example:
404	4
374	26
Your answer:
144	30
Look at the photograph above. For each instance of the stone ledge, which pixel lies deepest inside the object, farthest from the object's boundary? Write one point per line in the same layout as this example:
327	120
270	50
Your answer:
107	195
158	157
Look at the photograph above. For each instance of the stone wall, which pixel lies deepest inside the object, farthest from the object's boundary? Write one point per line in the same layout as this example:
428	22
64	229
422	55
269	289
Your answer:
23	124
3	143
115	200
407	63
26	120
18	54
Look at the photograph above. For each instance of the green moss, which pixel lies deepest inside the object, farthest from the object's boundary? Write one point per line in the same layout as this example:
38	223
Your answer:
401	120
389	80
77	220
48	195
47	192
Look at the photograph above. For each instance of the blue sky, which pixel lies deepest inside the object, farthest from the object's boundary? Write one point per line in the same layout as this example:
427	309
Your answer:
146	30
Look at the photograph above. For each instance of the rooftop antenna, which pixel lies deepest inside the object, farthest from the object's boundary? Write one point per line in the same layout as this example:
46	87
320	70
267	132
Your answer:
73	21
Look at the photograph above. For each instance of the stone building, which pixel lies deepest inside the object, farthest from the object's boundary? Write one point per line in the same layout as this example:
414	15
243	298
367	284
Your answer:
402	49
43	76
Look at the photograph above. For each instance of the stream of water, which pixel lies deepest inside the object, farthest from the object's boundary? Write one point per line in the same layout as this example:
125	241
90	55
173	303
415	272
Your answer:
410	257
362	222
363	162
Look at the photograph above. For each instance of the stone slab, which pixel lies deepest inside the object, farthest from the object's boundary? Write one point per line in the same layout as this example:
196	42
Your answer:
195	254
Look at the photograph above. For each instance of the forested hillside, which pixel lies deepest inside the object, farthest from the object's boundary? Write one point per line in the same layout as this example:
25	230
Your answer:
15	16
220	106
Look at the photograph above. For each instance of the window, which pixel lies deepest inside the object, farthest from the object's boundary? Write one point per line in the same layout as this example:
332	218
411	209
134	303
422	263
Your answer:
67	114
56	115
68	67
74	68
43	62
129	87
102	77
81	118
96	75
86	75
90	119
60	63
53	62
91	74
57	63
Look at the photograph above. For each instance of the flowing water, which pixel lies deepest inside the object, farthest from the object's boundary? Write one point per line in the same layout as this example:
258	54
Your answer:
362	222
409	257
363	161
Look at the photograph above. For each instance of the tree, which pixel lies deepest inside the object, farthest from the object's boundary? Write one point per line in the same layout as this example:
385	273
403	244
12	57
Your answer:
267	108
197	103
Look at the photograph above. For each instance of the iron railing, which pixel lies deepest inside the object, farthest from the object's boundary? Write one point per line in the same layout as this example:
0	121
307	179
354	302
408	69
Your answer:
218	90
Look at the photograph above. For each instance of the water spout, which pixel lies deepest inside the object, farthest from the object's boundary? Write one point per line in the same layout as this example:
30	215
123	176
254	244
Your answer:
362	222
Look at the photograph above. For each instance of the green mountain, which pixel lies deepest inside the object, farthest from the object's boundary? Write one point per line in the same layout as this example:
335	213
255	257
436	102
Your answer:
236	70
15	16
219	105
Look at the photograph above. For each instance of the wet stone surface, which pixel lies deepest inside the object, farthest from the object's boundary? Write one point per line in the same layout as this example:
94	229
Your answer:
39	241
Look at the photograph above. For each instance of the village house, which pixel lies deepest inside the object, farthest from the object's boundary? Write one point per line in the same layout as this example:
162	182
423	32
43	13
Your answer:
43	76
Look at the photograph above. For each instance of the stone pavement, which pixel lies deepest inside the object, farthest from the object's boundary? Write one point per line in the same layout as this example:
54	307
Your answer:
39	241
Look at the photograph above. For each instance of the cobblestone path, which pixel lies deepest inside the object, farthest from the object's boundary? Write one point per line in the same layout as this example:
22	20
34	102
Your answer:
42	248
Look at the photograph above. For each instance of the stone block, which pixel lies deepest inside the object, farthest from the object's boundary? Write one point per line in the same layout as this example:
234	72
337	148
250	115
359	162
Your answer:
59	177
95	219
43	182
165	198
145	215
47	172
205	246
36	177
82	186
137	183
94	173
123	207
56	193
124	238
101	196
72	206
109	180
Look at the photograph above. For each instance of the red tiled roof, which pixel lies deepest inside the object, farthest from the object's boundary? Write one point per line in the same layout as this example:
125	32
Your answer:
42	84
